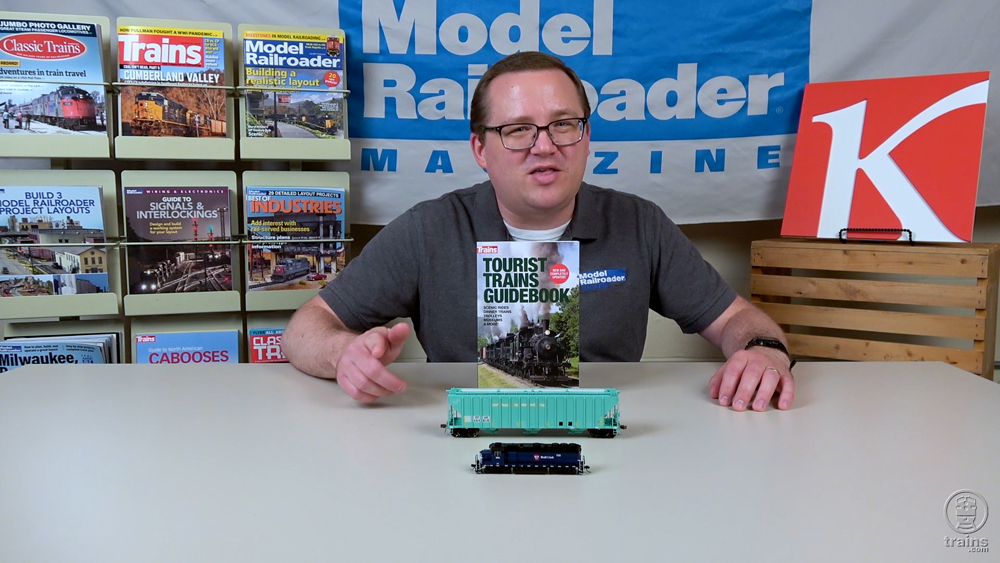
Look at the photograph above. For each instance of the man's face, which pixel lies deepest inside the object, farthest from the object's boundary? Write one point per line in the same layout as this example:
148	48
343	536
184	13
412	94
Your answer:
536	188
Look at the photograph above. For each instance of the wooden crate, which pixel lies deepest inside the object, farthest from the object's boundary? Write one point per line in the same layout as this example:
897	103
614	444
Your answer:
844	300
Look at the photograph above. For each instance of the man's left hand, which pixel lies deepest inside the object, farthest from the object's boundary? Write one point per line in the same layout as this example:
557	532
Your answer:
751	377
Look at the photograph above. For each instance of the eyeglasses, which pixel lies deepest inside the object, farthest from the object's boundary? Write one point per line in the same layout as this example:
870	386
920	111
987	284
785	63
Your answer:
522	136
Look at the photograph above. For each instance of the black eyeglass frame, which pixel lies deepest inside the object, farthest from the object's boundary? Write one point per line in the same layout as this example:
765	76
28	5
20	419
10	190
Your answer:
538	130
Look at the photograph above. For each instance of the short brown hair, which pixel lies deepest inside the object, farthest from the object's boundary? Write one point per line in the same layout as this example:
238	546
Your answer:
518	62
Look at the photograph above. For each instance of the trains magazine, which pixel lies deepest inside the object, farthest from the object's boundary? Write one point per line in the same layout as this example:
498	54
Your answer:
301	80
172	80
51	78
53	241
294	236
528	309
178	240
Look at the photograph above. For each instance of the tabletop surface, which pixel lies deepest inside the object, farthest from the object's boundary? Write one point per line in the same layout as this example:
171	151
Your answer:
263	463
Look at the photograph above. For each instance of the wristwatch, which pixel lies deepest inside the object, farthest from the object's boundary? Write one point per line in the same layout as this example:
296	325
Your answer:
770	343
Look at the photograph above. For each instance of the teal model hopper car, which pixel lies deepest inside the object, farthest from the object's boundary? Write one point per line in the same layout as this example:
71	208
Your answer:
471	411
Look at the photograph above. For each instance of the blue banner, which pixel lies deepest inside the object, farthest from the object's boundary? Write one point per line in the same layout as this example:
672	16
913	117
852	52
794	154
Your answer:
653	70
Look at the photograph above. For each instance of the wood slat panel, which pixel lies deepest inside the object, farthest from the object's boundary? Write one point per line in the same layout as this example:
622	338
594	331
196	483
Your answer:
963	248
918	324
875	261
874	351
904	293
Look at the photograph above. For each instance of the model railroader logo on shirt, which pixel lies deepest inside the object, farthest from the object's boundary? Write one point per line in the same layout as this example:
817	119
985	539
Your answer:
600	279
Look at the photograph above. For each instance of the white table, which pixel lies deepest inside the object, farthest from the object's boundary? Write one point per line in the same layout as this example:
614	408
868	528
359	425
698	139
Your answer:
261	463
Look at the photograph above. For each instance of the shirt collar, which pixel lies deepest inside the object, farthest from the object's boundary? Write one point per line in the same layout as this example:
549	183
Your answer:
585	224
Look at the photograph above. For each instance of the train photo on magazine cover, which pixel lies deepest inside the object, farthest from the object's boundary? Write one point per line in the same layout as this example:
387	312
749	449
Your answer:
290	268
157	115
67	107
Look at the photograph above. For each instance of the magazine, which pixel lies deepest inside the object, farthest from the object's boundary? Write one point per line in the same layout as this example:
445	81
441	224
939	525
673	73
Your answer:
301	76
528	309
51	78
161	68
292	236
178	215
214	346
53	241
265	345
107	343
17	354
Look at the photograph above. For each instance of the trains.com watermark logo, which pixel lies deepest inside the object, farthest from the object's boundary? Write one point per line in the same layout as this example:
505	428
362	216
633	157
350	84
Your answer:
966	512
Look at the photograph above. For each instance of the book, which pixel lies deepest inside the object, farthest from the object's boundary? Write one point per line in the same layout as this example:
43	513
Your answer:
53	241
173	81
161	221
213	346
265	345
528	309
51	78
301	83
292	236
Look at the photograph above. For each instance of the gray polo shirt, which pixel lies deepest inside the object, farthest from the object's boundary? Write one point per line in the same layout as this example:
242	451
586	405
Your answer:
423	265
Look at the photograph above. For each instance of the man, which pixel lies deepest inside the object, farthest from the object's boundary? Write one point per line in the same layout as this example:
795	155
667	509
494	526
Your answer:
27	122
530	131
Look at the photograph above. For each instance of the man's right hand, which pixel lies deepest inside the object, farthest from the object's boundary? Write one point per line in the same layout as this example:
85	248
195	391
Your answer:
362	372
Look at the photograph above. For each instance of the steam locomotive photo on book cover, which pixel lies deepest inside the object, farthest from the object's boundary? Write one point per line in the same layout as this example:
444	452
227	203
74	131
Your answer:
178	240
528	309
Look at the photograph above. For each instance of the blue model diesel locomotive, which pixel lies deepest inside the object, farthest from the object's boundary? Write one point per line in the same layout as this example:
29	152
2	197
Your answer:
534	458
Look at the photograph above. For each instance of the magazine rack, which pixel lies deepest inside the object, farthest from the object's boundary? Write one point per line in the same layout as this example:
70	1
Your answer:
881	301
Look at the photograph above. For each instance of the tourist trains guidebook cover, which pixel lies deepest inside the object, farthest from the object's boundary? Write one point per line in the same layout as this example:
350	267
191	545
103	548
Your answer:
178	215
265	345
528	309
214	346
301	76
292	236
71	220
156	62
51	78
